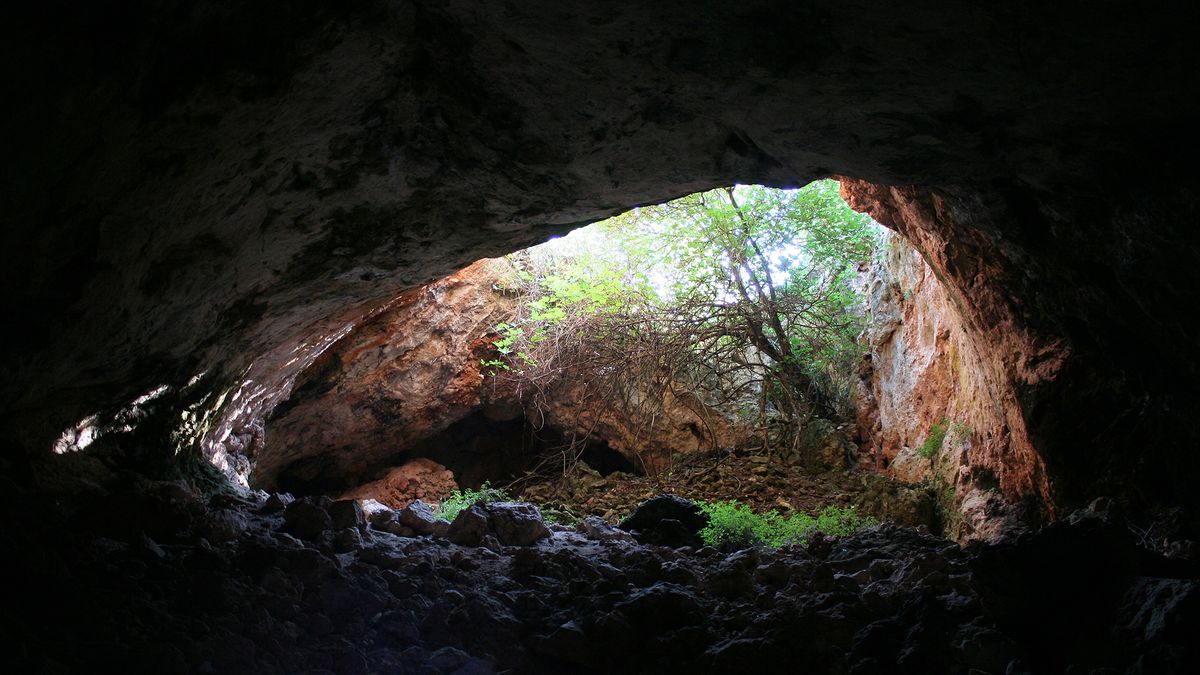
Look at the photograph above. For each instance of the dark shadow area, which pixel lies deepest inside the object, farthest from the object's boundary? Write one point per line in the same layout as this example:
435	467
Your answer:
605	460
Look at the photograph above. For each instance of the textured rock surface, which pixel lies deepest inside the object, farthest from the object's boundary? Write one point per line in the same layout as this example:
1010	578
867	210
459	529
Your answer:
511	524
225	189
1048	341
400	378
416	479
666	520
397	384
925	370
1069	598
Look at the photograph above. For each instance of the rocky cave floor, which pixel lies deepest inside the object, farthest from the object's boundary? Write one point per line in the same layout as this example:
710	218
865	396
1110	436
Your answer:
149	576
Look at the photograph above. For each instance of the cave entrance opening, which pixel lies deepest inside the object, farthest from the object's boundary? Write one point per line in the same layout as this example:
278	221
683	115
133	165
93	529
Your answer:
706	346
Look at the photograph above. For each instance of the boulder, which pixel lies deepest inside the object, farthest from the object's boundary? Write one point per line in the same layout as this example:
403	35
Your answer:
666	520
376	513
823	446
347	539
307	518
516	524
418	516
906	504
224	525
420	478
470	526
661	606
346	513
277	502
594	527
511	523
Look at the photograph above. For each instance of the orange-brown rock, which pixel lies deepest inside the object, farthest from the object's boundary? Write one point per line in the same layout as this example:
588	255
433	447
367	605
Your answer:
948	349
410	381
650	438
401	377
419	478
924	371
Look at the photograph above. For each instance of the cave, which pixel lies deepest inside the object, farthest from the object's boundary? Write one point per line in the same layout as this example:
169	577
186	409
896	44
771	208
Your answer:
209	210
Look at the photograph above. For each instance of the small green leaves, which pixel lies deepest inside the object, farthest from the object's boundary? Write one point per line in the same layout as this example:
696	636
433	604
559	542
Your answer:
933	442
732	525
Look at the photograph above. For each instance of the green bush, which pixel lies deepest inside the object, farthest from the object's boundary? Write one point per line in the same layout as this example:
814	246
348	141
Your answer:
733	526
933	442
458	500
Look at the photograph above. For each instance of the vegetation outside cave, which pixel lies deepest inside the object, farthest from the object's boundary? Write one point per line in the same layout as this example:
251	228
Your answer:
738	303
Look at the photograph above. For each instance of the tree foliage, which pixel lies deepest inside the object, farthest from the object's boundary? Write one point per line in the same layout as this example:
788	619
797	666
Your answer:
737	299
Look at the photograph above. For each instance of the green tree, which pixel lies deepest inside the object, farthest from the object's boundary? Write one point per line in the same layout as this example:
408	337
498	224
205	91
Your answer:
737	298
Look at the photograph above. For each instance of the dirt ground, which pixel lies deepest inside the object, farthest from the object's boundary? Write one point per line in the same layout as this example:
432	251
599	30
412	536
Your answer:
755	480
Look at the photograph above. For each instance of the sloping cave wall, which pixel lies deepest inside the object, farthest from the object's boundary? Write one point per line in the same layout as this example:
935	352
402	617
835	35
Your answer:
191	188
922	372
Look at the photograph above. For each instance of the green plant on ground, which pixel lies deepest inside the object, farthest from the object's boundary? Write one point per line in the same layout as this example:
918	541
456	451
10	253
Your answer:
459	500
933	442
733	526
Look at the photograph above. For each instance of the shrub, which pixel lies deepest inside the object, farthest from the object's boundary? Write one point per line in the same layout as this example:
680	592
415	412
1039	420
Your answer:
733	526
933	442
458	500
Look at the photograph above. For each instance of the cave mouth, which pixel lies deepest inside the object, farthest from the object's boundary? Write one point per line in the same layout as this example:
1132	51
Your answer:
709	346
436	392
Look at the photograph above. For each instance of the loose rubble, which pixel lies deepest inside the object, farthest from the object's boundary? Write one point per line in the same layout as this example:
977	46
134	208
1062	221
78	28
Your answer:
324	586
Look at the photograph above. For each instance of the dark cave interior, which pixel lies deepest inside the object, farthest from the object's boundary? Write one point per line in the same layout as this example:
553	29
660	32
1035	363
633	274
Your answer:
218	197
477	450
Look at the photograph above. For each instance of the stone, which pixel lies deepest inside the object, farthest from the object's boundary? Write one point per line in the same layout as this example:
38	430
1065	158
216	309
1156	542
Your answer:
661	606
308	518
469	526
889	499
418	516
666	520
419	478
224	525
822	447
347	539
394	527
595	527
516	524
277	502
377	514
441	527
926	368
510	523
346	513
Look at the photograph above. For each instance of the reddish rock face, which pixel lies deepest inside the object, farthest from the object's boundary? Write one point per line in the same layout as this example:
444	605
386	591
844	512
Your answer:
410	380
925	371
419	478
399	378
1044	341
955	349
